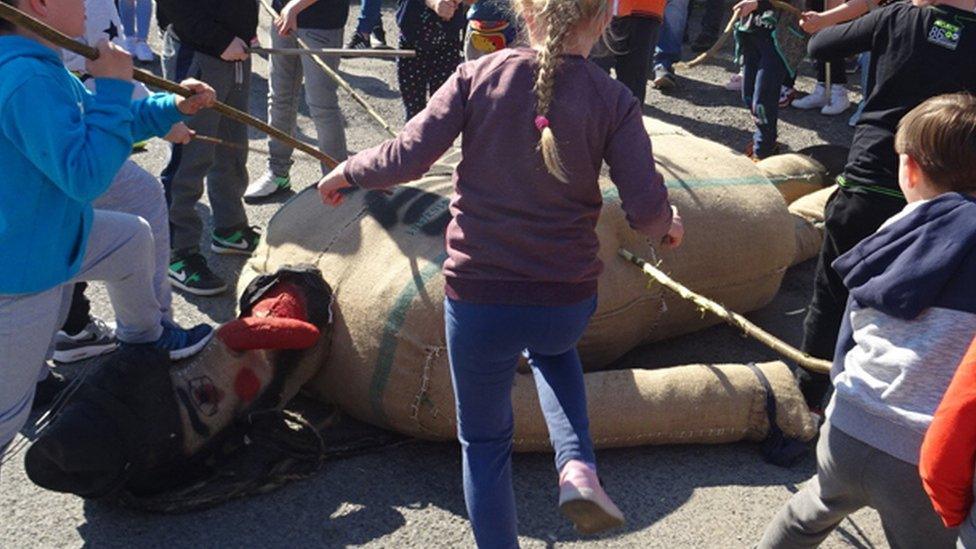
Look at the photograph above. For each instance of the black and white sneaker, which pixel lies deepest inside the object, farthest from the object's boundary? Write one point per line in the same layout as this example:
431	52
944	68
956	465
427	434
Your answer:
358	42
237	241
96	339
378	39
191	273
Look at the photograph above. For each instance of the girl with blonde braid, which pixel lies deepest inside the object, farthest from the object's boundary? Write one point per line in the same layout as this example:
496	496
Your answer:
522	267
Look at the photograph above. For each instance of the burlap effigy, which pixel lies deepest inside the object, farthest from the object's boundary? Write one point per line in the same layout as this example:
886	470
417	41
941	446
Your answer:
808	215
382	254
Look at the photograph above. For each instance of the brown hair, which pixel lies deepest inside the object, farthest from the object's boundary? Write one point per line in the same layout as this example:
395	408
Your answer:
7	26
559	19
940	136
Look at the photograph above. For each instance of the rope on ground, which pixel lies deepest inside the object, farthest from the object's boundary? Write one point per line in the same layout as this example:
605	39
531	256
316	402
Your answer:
736	320
59	39
720	43
334	75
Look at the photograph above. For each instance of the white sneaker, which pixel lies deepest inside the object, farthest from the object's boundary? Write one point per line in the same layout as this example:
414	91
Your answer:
266	186
130	44
143	53
839	102
816	100
734	83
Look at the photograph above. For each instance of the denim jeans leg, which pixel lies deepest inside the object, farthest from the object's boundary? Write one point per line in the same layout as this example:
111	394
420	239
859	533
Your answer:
668	49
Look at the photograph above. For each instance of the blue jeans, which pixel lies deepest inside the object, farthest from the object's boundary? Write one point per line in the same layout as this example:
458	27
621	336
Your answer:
484	343
369	16
763	74
668	50
136	15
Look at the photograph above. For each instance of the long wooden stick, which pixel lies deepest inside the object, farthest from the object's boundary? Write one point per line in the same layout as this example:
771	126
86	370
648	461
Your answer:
338	79
337	52
228	144
712	51
25	21
805	361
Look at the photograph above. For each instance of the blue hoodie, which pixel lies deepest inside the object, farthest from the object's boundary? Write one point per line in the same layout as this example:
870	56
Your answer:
909	321
60	148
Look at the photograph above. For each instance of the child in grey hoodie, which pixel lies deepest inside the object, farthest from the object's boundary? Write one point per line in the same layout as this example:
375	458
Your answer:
909	318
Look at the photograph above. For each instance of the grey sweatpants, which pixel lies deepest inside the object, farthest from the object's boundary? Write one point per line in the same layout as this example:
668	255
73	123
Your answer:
225	169
852	475
120	253
320	94
135	191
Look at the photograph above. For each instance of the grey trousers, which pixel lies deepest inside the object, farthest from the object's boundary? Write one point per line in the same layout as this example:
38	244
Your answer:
225	170
320	95
135	191
852	475
120	253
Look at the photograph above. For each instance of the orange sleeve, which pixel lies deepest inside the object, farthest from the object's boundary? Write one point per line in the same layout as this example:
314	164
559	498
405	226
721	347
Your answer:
949	450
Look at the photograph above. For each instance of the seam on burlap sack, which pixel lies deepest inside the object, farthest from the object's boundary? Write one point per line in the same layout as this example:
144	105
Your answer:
433	352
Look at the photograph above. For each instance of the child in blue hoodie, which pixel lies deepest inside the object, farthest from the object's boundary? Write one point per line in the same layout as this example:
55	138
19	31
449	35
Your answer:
60	148
909	319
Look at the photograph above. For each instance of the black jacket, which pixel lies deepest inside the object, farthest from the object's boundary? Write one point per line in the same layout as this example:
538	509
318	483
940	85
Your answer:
323	14
916	53
210	26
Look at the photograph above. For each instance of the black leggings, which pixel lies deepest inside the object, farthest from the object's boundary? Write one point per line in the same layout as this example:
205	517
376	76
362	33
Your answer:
438	55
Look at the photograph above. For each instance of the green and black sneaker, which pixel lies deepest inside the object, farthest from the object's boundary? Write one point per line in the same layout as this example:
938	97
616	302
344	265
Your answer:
238	241
190	273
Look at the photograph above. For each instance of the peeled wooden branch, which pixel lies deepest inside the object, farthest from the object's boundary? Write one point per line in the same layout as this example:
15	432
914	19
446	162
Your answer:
228	144
338	79
736	320
61	40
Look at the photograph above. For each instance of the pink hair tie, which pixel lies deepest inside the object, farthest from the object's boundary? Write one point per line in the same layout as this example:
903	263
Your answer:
541	122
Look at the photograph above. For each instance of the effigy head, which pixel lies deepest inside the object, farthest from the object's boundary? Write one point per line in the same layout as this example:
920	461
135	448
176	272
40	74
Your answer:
143	424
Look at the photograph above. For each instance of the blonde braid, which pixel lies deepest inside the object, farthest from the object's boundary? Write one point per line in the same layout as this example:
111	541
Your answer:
561	17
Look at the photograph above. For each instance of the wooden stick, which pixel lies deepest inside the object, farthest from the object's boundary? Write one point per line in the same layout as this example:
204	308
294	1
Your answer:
25	21
736	320
338	79
712	51
336	52
228	144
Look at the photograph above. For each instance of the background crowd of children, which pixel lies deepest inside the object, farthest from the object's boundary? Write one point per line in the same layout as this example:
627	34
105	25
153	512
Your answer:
894	305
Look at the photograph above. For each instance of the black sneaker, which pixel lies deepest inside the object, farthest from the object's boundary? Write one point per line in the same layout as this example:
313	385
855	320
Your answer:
191	274
48	389
237	241
378	39
358	42
97	338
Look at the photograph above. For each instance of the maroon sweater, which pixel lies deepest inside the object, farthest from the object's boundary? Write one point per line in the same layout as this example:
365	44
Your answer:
517	234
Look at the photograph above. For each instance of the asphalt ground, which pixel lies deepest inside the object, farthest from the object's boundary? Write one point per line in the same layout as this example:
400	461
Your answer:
410	496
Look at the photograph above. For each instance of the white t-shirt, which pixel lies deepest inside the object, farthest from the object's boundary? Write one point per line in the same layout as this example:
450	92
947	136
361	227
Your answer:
101	21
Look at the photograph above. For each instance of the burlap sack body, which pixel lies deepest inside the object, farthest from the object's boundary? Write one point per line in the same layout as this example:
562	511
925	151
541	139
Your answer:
808	217
382	254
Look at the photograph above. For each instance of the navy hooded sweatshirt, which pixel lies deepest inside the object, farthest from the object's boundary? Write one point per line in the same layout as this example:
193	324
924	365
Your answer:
910	317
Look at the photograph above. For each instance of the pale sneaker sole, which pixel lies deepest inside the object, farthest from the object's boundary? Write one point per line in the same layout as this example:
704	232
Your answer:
588	514
187	352
77	355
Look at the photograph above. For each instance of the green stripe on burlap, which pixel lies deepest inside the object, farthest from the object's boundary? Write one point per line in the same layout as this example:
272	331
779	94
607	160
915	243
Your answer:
391	331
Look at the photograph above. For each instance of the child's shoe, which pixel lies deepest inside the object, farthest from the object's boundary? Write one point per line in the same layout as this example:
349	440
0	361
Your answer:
358	42
786	96
734	83
96	339
839	102
377	39
583	500
816	100
142	52
182	343
266	186
235	241
191	273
